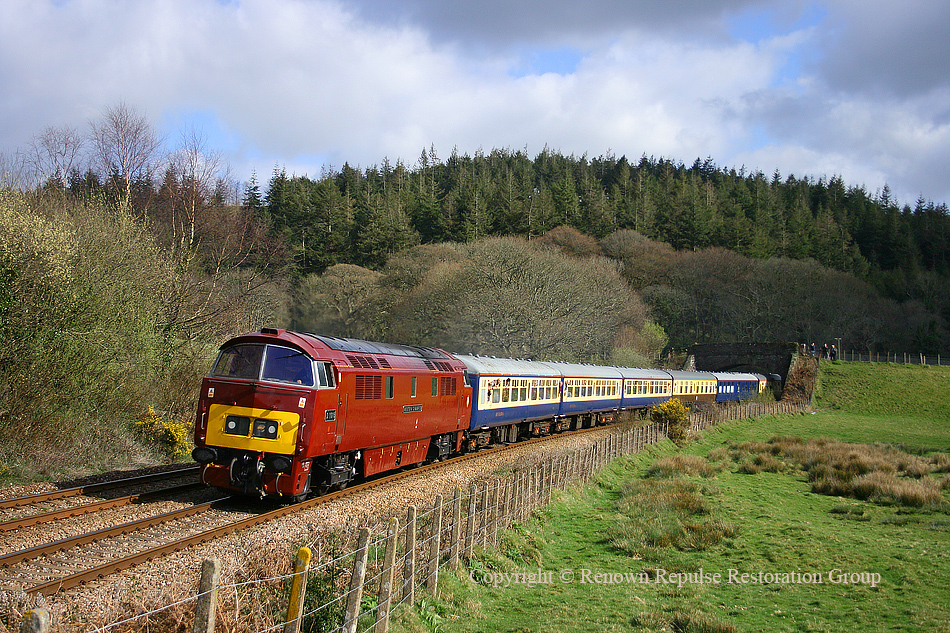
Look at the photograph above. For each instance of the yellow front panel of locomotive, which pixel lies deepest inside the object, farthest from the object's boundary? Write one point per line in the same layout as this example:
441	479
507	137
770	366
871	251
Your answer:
287	423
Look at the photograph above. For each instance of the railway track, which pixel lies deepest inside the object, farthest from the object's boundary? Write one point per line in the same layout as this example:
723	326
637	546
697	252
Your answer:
59	496
71	562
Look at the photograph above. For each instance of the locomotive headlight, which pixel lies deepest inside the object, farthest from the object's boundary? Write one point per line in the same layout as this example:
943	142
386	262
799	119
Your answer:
204	455
265	428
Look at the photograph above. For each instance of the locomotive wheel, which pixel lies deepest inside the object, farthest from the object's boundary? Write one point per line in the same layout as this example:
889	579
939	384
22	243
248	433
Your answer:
303	495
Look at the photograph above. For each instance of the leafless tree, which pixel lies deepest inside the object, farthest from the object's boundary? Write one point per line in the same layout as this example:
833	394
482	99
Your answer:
514	298
126	147
198	172
344	301
11	171
53	154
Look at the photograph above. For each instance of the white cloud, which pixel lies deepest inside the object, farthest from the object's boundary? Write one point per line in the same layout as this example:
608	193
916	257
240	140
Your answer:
301	82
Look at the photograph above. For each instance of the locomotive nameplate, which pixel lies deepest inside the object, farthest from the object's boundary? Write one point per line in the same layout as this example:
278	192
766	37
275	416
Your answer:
412	408
329	415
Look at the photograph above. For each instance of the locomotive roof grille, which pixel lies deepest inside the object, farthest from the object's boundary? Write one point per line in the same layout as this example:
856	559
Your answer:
370	347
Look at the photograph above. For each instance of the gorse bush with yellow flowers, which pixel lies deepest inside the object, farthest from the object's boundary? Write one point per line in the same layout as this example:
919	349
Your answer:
675	416
171	437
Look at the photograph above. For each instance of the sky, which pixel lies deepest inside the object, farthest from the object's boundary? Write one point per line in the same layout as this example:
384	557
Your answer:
853	88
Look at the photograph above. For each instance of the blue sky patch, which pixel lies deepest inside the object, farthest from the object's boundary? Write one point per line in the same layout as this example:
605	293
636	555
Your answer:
539	61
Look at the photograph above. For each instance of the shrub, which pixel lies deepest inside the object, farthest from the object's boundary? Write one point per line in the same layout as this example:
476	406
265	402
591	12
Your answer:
674	415
172	437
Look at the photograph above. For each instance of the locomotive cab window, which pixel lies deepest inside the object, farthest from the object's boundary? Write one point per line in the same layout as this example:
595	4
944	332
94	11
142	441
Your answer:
239	361
325	374
282	364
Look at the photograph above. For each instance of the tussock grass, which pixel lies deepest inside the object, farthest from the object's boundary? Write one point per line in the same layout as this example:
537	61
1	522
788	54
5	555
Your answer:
682	464
682	621
880	473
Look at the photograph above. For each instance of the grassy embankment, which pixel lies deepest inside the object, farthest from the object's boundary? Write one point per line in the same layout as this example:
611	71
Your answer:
733	503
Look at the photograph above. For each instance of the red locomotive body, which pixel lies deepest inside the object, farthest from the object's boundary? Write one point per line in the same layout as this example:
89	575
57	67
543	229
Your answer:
284	413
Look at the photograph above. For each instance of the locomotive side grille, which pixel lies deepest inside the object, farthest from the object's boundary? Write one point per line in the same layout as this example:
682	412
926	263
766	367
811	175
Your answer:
369	387
447	386
384	363
442	366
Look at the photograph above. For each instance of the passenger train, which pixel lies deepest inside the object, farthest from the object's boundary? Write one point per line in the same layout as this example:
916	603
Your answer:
289	414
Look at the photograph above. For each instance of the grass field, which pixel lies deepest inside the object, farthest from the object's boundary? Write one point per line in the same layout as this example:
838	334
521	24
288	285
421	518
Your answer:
761	550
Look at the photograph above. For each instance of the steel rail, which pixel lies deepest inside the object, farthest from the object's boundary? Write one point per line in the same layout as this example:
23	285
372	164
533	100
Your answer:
91	537
121	564
98	506
106	485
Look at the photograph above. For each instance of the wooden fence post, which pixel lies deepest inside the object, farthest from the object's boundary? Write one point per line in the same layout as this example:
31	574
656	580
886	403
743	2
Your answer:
456	528
432	582
495	513
386	578
483	513
298	589
355	596
35	621
470	523
409	571
207	596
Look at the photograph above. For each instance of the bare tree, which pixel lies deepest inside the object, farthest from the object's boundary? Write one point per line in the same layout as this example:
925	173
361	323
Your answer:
199	173
12	170
126	146
53	154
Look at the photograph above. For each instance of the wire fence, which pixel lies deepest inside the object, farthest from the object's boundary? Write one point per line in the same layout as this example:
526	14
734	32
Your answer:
358	589
895	357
